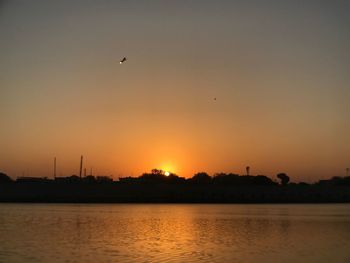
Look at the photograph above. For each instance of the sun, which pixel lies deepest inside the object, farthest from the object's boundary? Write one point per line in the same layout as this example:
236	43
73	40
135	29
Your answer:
166	173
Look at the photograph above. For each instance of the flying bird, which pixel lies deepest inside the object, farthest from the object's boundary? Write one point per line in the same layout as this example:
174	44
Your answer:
123	60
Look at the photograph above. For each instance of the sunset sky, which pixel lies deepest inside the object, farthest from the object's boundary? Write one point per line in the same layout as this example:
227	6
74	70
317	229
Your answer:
279	70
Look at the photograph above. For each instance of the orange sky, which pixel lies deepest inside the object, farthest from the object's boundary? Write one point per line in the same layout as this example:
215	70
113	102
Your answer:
279	71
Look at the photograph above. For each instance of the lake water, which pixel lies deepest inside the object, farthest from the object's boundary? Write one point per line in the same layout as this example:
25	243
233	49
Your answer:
174	233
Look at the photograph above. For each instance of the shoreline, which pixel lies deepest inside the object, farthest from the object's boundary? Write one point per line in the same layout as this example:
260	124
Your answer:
171	193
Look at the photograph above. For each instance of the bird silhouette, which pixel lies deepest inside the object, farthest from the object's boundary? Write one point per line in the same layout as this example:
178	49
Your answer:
123	60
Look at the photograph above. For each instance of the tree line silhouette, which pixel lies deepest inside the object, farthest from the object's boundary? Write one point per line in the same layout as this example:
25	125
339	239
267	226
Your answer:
158	176
157	186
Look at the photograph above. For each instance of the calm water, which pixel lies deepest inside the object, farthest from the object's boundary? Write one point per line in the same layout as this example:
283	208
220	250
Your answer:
174	233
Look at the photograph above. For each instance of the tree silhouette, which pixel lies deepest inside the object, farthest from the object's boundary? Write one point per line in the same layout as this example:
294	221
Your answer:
201	178
284	178
157	171
4	178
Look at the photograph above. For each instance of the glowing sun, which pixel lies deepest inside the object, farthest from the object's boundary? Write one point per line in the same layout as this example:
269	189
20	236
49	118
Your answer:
166	173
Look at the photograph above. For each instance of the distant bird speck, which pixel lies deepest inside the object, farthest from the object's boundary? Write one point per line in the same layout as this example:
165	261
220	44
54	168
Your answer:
214	98
123	60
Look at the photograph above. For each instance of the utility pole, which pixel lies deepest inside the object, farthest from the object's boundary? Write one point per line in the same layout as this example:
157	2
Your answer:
54	168
247	169
81	166
347	171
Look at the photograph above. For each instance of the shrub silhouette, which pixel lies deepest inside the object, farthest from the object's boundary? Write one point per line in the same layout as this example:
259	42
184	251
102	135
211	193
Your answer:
283	177
158	176
201	178
4	178
235	179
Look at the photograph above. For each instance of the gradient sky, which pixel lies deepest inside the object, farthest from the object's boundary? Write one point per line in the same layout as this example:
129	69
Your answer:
280	71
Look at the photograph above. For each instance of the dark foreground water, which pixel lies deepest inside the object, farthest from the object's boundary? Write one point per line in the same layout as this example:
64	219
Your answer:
174	233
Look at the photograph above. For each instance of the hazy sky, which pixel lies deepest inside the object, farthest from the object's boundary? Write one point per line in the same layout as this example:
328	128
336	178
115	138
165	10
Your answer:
279	70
